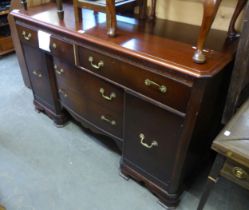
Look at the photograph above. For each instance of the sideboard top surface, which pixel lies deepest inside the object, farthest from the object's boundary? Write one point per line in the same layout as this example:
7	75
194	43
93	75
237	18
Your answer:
165	43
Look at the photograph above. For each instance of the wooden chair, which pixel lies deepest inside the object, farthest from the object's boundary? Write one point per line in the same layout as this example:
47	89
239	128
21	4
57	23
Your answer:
210	10
105	6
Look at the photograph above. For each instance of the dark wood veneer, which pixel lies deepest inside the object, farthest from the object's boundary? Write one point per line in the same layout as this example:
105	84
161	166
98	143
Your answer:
176	111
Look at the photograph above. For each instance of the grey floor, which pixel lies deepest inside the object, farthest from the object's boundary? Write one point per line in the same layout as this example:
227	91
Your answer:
46	168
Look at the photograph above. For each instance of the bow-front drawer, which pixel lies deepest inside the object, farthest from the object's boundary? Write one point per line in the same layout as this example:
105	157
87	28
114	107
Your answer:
27	35
105	118
94	88
161	88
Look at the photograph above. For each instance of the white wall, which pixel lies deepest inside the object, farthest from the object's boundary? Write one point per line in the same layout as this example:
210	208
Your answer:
190	11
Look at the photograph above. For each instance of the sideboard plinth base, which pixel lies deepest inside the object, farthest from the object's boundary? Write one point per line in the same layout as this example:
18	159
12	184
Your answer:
168	201
59	119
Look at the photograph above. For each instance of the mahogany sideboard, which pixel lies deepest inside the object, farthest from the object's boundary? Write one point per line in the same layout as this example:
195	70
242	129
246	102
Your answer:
141	88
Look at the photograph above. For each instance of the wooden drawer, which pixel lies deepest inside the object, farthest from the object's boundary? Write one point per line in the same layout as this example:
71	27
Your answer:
39	76
151	139
62	49
160	88
236	173
27	35
106	119
72	100
86	84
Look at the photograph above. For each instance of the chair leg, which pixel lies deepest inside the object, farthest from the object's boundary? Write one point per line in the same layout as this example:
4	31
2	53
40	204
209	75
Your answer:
232	33
111	18
153	9
210	11
212	179
77	12
60	11
142	4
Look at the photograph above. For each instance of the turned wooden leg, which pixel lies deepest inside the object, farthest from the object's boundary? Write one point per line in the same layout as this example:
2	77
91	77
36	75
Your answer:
210	11
60	10
153	9
212	179
77	12
111	18
24	3
142	4
231	31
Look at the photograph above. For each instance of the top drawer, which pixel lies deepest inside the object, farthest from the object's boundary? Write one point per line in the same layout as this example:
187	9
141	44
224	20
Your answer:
27	35
62	48
160	88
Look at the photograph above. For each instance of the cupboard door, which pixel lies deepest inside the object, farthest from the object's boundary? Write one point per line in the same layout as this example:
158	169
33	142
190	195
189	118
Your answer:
39	76
151	138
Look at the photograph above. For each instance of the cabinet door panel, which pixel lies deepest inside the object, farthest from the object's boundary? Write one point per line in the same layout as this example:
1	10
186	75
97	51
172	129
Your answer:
151	138
38	73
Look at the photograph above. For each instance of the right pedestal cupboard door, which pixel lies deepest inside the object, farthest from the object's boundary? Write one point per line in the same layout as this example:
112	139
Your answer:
151	139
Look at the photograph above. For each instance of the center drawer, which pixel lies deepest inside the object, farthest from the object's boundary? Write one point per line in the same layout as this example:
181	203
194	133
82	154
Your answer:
91	98
90	86
161	88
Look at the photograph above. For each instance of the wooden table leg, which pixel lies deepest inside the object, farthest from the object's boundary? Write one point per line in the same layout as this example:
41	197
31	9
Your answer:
77	12
232	33
60	10
153	9
212	179
210	11
142	4
111	18
24	3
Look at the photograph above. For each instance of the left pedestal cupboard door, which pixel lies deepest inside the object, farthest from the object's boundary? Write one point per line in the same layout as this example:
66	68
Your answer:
38	68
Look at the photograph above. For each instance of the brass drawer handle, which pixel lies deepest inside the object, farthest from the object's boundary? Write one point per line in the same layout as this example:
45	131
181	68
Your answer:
58	71
37	74
98	66
162	88
112	122
108	98
239	173
63	93
54	45
153	143
26	36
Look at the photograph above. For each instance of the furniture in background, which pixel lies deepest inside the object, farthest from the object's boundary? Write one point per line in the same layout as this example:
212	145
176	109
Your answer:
209	13
160	108
6	45
232	146
107	6
239	85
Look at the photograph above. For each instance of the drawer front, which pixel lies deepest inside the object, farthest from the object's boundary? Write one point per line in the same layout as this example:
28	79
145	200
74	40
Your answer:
236	173
106	119
72	100
151	138
27	36
94	88
38	74
163	89
101	116
62	49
